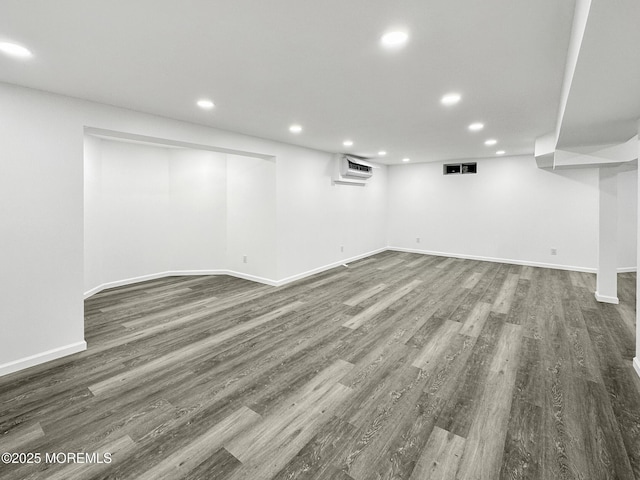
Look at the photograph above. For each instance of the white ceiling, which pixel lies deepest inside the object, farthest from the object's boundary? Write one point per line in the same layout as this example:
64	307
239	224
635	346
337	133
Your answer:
270	63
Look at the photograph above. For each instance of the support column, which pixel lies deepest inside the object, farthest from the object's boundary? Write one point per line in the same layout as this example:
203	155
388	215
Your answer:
636	360
607	279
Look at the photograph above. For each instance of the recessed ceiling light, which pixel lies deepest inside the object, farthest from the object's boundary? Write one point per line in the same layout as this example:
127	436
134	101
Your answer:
382	153
347	143
491	141
450	99
15	50
394	39
500	152
205	104
295	128
406	159
474	127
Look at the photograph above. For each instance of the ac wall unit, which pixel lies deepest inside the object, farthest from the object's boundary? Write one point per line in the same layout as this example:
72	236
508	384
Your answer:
352	170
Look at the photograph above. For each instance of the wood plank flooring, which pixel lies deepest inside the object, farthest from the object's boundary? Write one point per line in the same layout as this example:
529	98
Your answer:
400	366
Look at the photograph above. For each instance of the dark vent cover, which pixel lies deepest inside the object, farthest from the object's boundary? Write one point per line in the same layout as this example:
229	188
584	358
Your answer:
357	166
459	168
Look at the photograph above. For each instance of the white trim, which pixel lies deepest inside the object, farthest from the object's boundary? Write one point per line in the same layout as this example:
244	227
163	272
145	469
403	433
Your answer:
245	276
339	263
174	273
299	276
496	260
627	269
125	281
43	357
607	299
636	365
93	291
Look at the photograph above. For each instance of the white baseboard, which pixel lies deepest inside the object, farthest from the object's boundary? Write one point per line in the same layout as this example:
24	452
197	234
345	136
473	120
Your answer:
125	281
299	276
627	269
186	273
253	278
308	273
43	357
636	365
245	276
607	299
93	291
175	273
496	260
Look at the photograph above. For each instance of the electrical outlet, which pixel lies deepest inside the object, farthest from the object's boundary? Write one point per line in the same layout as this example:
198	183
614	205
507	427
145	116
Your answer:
244	259
417	239
554	251
342	248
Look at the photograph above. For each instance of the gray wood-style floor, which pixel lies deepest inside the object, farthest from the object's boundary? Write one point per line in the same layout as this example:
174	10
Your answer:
400	366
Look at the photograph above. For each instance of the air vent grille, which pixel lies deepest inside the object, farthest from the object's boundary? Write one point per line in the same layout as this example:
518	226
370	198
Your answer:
358	167
459	168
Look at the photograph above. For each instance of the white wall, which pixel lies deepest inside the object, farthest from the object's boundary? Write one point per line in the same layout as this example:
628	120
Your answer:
316	217
511	210
627	219
251	216
40	229
198	209
134	210
93	276
150	210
